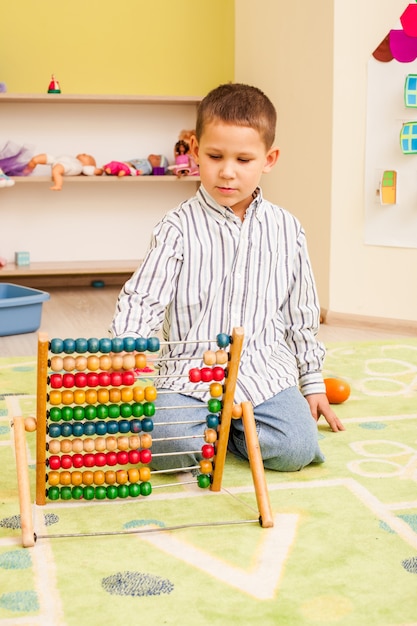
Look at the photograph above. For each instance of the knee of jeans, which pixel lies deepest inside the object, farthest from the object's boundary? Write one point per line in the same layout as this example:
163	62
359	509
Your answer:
284	455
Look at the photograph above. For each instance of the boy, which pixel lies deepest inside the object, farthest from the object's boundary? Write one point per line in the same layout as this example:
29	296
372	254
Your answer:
228	258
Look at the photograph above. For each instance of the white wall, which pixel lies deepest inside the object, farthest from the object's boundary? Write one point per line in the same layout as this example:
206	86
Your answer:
321	175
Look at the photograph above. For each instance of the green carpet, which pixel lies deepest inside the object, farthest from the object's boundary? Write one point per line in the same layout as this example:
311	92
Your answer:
343	550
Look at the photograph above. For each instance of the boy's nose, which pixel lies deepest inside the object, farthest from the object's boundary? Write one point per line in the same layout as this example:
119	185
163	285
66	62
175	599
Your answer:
227	170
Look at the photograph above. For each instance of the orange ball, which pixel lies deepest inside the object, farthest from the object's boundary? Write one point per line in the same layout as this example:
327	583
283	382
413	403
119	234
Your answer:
337	390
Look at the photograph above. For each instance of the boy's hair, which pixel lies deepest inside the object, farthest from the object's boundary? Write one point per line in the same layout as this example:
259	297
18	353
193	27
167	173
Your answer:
240	105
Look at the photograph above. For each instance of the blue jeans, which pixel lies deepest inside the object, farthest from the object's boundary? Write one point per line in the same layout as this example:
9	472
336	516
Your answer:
287	432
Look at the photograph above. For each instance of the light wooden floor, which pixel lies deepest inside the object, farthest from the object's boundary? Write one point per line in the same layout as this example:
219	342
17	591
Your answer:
87	312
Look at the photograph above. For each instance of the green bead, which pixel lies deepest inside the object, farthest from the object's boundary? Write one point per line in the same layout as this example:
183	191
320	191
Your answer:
114	410
66	493
78	413
90	412
53	493
111	491
123	491
125	410
100	492
77	493
55	414
214	405
67	413
102	411
137	409
149	409
134	490
88	492
145	488
203	481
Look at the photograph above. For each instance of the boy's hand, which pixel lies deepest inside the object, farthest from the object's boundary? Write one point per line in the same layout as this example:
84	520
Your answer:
319	405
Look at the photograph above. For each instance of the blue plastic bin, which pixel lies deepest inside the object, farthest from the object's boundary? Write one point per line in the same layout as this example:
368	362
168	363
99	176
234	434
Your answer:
20	309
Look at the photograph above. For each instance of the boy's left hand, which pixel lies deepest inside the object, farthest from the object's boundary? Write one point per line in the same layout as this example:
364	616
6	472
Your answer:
319	405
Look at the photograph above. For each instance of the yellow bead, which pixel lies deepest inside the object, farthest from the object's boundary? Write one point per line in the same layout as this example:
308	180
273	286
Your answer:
127	394
216	390
138	394
144	473
140	361
133	474
91	396
79	396
93	363
103	395
150	394
98	477
115	395
76	478
53	478
65	478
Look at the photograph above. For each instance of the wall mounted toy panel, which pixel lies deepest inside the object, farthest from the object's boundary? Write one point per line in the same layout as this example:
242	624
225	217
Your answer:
391	138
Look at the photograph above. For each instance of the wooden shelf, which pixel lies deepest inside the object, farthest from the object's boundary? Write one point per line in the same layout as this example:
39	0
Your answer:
68	273
59	98
25	180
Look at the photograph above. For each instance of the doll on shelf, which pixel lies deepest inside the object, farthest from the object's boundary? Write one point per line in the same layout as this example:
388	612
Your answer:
136	167
184	163
65	166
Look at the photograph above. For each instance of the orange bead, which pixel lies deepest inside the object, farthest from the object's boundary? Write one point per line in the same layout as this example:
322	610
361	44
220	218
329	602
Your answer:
206	466
76	478
69	363
140	361
81	363
91	396
127	394
121	477
77	445
54	446
55	397
79	396
53	478
134	442
150	394
105	362
88	444
216	390
100	444
117	362
209	357
222	357
65	478
123	443
133	474
98	477
237	411
30	424
68	397
146	440
115	395
111	443
129	362
66	445
138	394
103	395
110	477
88	477
210	435
93	363
144	474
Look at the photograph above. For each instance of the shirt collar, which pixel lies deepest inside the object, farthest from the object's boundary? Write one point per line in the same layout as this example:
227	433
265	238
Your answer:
222	213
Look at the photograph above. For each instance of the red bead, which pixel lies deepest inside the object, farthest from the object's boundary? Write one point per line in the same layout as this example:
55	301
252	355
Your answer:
100	459
54	462
145	456
206	374
77	460
104	379
207	451
68	380
66	461
218	373
111	458
89	460
134	457
80	379
92	379
128	378
194	375
123	457
116	378
55	381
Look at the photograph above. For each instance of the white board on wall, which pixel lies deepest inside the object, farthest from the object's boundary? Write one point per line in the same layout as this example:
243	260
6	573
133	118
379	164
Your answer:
389	224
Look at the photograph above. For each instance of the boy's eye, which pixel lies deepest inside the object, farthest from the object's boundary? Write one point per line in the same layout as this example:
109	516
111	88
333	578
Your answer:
242	160
214	156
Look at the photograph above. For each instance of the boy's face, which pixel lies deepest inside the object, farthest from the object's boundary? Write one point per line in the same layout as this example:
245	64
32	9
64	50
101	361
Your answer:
232	160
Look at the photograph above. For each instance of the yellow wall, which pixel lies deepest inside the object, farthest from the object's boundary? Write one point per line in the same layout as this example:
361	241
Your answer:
103	47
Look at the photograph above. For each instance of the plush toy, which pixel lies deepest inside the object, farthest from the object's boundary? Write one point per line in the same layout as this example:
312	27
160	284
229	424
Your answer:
14	158
136	167
5	181
65	166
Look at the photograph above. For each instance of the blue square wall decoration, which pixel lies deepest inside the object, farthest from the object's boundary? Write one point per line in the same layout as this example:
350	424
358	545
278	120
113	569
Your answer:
408	138
410	91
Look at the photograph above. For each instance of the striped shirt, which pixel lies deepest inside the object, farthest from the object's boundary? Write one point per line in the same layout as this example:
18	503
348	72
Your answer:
207	272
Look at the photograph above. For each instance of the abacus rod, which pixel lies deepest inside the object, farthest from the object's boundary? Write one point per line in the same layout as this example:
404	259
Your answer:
23	484
42	371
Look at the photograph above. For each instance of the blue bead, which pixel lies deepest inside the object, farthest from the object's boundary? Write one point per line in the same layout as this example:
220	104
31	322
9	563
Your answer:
54	430
78	429
81	345
56	346
101	428
66	430
223	340
153	344
89	428
141	344
69	346
147	425
129	344
105	345
93	344
212	421
124	426
135	426
112	427
117	344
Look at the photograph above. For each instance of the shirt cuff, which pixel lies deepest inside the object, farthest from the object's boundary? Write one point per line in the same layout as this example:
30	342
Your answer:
312	382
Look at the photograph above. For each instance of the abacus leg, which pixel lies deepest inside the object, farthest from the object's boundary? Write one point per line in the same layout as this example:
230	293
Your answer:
26	521
256	465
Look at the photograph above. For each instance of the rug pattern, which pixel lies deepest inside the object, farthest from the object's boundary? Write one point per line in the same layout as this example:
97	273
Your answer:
343	549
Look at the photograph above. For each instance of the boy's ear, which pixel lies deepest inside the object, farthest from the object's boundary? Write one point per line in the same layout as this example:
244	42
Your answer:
194	148
271	159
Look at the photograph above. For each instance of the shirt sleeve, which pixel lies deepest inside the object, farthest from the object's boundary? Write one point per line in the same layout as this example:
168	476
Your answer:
142	302
302	316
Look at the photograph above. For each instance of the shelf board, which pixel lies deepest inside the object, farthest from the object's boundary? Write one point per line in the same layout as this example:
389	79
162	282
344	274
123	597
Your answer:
108	179
59	98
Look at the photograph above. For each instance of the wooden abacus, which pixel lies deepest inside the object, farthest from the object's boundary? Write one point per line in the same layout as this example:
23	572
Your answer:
84	401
